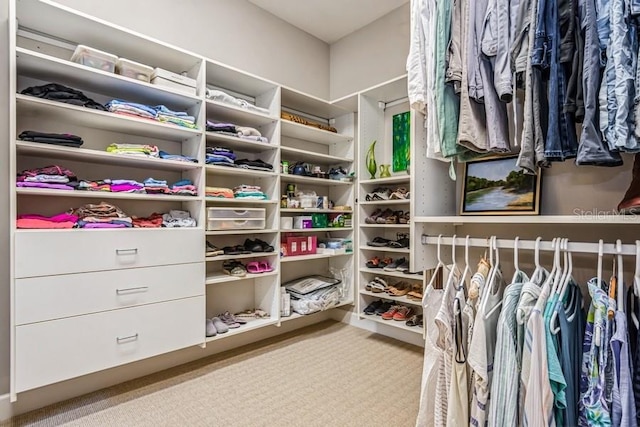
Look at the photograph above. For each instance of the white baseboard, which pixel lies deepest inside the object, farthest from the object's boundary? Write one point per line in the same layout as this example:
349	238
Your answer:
351	318
6	410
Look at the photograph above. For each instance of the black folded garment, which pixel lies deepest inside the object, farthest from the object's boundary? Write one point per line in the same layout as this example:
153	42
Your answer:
65	139
60	93
254	164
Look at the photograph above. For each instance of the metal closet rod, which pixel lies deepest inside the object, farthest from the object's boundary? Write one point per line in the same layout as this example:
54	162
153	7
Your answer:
576	247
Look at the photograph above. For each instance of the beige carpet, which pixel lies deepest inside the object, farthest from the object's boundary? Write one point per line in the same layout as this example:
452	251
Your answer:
329	374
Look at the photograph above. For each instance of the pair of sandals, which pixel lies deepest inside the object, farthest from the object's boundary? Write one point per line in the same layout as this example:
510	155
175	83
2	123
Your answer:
257	267
399	289
376	262
380	194
234	268
415	294
388	217
380	242
415	320
377	285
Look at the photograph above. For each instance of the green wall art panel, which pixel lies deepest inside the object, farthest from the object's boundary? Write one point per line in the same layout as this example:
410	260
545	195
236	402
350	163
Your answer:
401	141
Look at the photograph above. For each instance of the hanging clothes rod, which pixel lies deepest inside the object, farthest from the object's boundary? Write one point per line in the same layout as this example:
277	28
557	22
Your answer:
575	247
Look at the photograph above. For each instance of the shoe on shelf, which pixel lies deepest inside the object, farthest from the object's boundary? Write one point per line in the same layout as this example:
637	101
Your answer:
372	219
395	264
388	315
265	246
212	250
373	263
210	329
229	320
383	308
415	320
234	268
630	203
402	267
371	308
378	242
252	246
219	325
403	313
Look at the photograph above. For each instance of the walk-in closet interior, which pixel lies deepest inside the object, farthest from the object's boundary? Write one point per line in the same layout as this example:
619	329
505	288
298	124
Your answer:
456	178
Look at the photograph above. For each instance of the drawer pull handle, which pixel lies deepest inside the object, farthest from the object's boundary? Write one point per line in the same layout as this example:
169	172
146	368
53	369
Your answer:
238	222
131	290
120	340
133	251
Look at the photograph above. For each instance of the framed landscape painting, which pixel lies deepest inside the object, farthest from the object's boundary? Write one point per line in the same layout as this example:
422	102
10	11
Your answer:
497	186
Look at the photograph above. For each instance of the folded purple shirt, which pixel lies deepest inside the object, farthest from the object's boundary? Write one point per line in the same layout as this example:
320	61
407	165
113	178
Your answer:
102	225
44	185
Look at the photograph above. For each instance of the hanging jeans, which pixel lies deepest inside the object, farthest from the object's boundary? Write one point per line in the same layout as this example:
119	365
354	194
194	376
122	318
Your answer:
592	149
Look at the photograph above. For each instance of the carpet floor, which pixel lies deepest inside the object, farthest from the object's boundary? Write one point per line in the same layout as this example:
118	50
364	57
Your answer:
328	374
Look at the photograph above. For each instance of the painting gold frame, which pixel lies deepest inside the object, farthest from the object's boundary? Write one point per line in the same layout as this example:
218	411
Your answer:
519	194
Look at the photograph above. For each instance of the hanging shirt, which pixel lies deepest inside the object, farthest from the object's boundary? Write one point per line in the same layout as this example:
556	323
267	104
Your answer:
482	349
633	313
503	410
538	401
458	405
557	380
592	406
571	322
433	357
626	416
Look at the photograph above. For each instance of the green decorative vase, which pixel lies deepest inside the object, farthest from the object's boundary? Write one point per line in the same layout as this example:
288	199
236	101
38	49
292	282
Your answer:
370	160
384	171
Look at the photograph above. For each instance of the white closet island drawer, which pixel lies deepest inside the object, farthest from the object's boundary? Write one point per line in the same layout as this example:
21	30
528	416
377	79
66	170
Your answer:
45	253
54	351
39	299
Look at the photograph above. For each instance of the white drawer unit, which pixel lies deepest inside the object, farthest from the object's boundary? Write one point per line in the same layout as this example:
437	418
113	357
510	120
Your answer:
235	219
49	253
54	297
58	350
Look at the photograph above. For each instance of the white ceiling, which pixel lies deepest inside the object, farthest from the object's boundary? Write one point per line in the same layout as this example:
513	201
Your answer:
329	20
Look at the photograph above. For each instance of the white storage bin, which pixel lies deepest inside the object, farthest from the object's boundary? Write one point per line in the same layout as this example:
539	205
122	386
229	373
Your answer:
134	70
235	219
258	213
175	81
235	224
94	58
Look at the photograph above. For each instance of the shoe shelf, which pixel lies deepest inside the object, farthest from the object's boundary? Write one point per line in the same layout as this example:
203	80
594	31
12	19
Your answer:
392	226
104	195
101	157
310	257
315	230
44	67
221	112
249	326
386	202
398	179
300	179
308	133
234	232
213	279
295	315
398	300
232	171
241	256
307	156
386	249
399	274
226	201
81	116
393	323
240	144
306	211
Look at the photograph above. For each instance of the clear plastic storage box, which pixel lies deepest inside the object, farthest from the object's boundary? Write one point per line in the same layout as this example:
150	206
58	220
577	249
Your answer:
134	70
94	58
234	219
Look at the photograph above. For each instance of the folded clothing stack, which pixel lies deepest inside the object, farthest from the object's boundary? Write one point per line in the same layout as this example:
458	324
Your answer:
152	221
176	157
159	112
178	219
53	177
184	187
220	96
102	215
155	186
244	132
257	164
220	156
141	150
33	221
63	139
101	185
60	93
220	192
251	192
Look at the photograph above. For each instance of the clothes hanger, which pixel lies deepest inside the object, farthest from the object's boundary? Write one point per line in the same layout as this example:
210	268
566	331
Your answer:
454	265
539	269
432	282
467	268
620	293
555	245
600	253
516	266
568	259
557	281
490	279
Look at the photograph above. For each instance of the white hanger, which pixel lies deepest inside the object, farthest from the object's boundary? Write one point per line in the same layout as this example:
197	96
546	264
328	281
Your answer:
490	278
516	266
555	245
439	265
564	286
621	286
454	266
467	268
560	276
600	253
539	269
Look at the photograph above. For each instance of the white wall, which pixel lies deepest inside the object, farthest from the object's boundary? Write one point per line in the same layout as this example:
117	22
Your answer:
372	55
234	32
